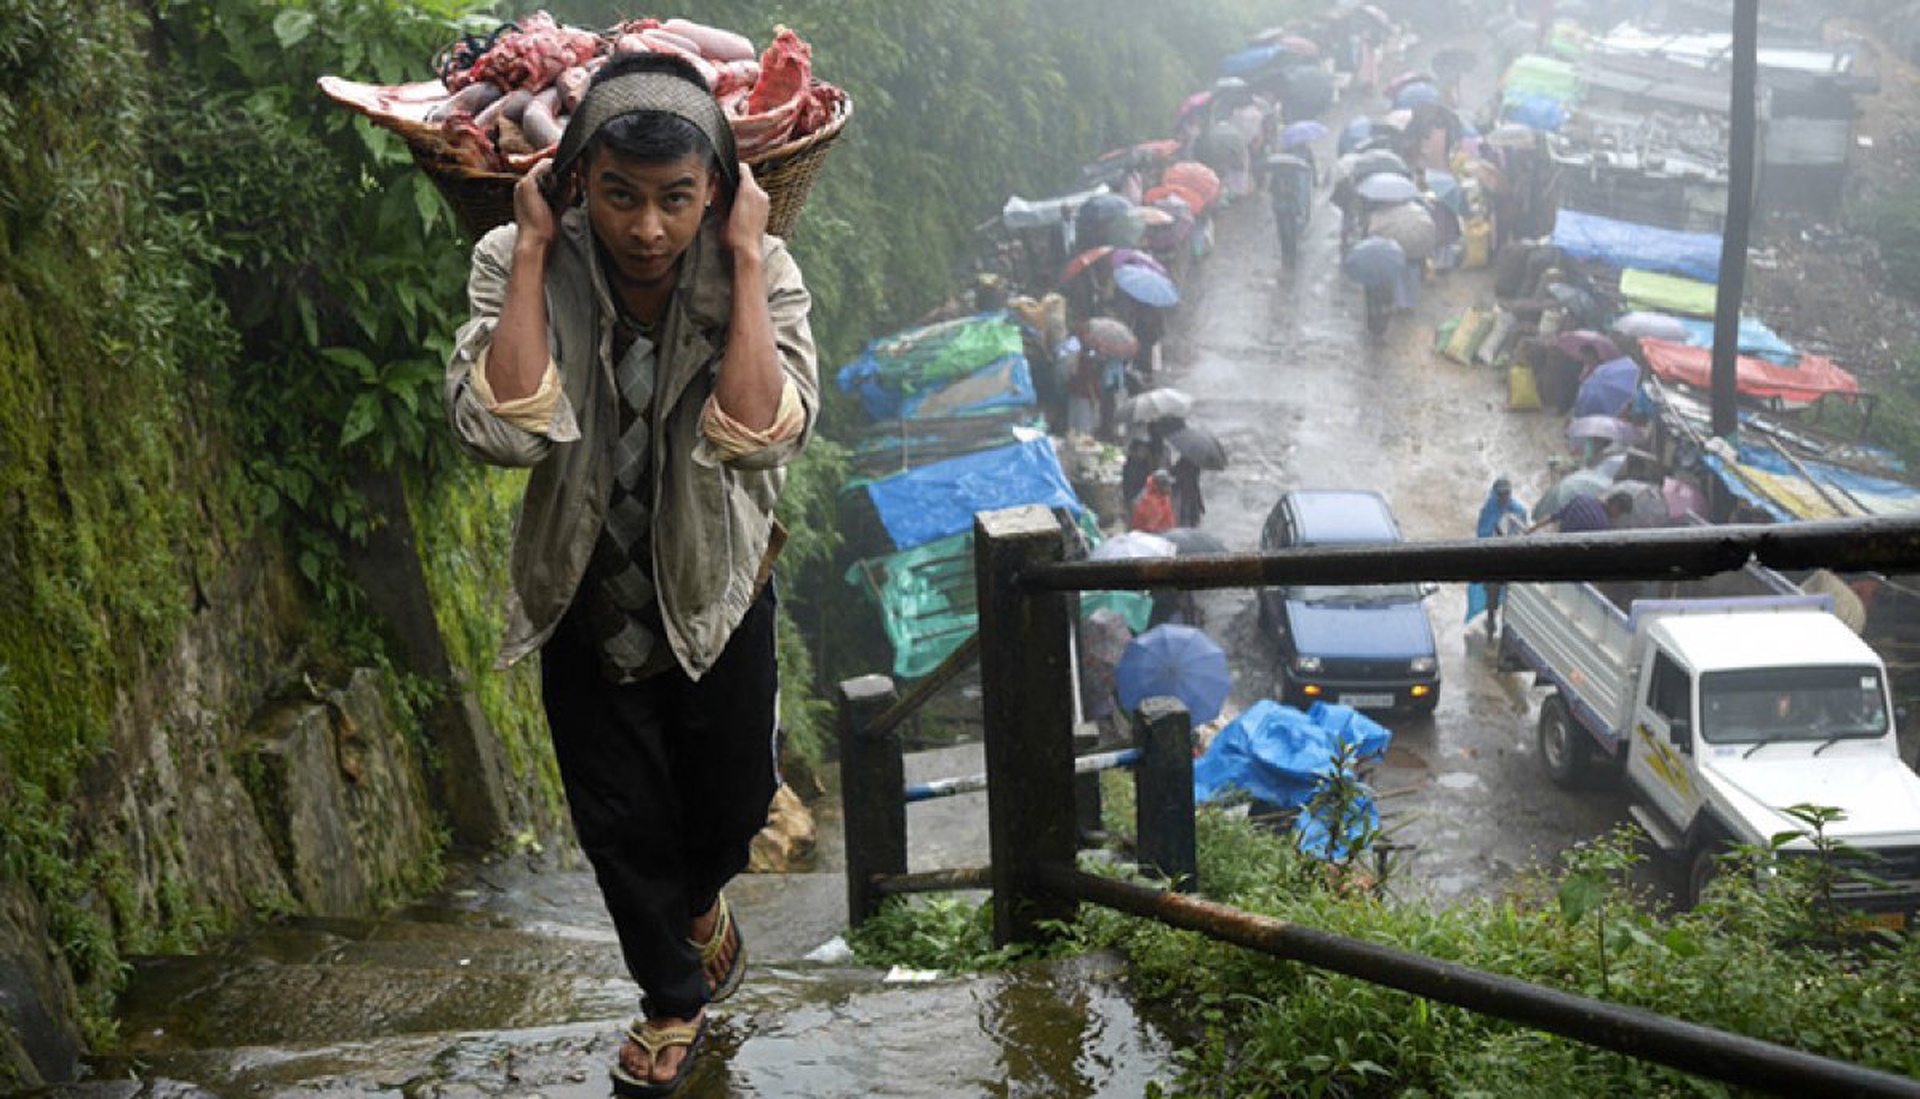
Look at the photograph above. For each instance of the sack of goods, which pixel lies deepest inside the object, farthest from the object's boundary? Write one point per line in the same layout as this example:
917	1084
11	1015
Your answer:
502	100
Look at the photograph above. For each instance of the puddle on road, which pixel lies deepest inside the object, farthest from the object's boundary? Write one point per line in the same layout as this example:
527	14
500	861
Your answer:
1457	780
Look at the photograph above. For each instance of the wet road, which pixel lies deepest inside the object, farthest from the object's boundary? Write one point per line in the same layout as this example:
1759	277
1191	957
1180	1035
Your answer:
1280	366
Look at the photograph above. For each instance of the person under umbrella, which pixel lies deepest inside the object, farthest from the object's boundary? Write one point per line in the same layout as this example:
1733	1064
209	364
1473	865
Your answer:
1195	449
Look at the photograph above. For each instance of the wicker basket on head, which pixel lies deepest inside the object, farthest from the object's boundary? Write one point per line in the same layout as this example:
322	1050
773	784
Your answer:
484	199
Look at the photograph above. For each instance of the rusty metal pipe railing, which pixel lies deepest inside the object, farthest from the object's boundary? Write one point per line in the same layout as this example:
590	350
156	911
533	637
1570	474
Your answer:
945	672
934	881
1891	545
1690	1047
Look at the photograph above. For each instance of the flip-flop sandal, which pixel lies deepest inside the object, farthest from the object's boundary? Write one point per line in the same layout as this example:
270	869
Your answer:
724	927
654	1039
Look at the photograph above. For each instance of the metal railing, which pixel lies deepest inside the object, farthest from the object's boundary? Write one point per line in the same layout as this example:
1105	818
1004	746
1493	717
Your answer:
1024	592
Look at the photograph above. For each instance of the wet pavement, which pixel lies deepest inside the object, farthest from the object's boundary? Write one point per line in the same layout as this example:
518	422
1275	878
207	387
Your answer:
1281	367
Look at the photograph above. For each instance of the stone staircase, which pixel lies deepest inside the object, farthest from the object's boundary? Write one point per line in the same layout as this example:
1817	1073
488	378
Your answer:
510	983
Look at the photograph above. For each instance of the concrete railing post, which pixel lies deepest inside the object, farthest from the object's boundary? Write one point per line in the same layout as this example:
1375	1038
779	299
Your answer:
873	806
1163	802
1025	680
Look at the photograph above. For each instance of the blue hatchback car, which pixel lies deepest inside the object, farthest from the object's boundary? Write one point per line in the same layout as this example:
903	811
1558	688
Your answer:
1369	647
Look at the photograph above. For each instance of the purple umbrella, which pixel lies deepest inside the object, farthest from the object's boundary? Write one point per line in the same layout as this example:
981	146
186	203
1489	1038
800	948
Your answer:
1146	285
1417	92
1587	345
1608	390
1302	132
1121	257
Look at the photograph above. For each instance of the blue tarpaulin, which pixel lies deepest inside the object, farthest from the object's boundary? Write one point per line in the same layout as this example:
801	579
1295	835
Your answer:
1625	244
939	500
1279	755
1755	339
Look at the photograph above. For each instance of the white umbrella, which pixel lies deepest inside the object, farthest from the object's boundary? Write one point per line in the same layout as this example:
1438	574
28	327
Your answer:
1132	544
1156	404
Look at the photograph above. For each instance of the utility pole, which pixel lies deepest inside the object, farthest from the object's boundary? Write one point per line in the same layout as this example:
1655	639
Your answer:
1733	240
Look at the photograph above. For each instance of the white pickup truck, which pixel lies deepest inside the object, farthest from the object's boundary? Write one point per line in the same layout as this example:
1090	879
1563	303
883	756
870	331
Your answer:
1720	712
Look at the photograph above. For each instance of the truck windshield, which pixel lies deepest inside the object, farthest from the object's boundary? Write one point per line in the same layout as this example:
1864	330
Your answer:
1753	705
1355	595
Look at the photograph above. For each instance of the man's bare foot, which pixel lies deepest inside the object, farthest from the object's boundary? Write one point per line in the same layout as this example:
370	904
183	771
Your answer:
715	934
656	1049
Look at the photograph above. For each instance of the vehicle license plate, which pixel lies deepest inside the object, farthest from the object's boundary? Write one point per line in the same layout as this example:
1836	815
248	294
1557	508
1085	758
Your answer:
1883	921
1362	702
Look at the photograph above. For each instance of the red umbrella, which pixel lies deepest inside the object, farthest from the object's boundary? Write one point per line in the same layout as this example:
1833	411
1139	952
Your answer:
1083	261
1195	177
1110	337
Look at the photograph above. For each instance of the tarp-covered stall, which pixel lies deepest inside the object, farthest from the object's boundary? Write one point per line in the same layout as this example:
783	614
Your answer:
1625	244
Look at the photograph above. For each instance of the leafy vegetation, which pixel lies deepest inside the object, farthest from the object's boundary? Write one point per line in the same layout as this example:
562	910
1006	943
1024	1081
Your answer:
1762	956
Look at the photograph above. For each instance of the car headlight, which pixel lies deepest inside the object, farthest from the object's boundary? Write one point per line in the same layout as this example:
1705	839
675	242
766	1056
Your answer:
1306	664
1422	665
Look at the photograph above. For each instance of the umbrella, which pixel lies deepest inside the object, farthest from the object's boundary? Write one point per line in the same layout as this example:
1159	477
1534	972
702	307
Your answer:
1199	446
1190	540
1156	404
1582	342
1375	162
1193	200
1378	15
1132	544
1410	225
1581	482
1302	132
1123	257
1648	504
1146	286
1192	103
1611	428
1177	661
1353	134
1387	187
1111	338
1374	260
1416	93
1094	222
1195	177
1608	390
1404	80
1651	326
1083	261
1250	60
1305	47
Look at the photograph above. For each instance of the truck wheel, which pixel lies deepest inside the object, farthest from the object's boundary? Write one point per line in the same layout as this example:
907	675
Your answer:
1563	745
1701	870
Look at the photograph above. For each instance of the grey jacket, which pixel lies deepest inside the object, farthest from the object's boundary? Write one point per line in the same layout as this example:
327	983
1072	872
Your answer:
713	529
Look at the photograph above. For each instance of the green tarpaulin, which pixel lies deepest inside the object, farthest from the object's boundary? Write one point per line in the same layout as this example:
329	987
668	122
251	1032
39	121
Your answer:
1534	75
1667	293
927	606
921	358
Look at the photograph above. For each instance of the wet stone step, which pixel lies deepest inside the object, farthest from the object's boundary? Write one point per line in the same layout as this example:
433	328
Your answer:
1063	1028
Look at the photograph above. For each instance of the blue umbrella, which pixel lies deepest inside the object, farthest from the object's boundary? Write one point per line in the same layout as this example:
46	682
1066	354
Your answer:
1301	132
1354	134
1145	285
1387	187
1375	260
1417	92
1608	390
1176	661
1250	60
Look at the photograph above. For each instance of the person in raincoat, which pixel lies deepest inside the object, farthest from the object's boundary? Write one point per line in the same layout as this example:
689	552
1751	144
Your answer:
1153	511
1493	517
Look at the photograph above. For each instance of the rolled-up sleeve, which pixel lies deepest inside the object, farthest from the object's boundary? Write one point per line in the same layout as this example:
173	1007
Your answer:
789	304
511	433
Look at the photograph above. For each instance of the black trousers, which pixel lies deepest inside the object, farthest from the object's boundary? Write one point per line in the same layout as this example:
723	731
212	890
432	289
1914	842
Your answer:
667	780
